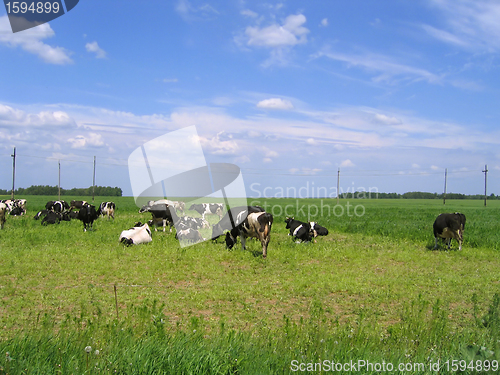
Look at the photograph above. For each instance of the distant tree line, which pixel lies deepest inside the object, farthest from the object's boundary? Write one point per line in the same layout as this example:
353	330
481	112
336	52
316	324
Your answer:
53	190
417	195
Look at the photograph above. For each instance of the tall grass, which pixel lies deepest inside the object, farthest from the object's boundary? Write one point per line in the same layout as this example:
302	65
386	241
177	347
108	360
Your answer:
371	290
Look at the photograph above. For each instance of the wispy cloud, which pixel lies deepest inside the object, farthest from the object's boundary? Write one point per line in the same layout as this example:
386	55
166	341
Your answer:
31	41
94	48
470	24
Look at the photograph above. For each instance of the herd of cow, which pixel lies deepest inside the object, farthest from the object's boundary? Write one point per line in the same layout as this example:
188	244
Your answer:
243	221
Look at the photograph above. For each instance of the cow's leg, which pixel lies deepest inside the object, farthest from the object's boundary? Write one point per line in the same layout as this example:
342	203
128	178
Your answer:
242	239
164	225
436	244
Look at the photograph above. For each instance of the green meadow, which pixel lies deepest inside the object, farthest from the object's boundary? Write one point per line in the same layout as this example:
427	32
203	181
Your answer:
371	297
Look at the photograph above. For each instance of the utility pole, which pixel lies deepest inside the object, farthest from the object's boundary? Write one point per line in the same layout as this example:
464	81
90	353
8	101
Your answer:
338	186
59	181
13	173
445	177
485	182
93	183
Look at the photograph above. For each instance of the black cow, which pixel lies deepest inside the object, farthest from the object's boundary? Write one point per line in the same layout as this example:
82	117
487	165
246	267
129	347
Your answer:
87	215
40	214
234	217
53	217
448	226
300	231
256	225
208	209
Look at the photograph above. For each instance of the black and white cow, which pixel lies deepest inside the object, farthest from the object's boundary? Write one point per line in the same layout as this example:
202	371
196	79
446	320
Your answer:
317	229
300	231
163	214
15	207
449	226
137	235
3	212
256	225
186	222
189	235
76	205
208	209
107	209
150	204
234	217
87	215
57	206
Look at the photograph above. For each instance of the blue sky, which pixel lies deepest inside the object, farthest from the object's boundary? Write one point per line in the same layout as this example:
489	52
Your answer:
391	92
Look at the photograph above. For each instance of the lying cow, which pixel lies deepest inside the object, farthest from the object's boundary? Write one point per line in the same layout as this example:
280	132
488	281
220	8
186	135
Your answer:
208	209
87	215
3	211
256	225
107	209
137	235
302	232
189	235
57	206
317	229
449	226
52	217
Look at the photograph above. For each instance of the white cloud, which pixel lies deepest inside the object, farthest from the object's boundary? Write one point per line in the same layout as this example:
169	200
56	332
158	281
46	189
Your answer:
384	68
290	33
82	141
249	13
324	22
94	48
346	163
30	40
221	144
275	103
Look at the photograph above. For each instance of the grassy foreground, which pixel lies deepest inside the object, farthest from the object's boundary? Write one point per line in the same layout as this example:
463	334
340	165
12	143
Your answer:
372	292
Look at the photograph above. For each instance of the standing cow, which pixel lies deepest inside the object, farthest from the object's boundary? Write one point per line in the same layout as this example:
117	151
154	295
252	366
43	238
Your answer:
87	215
107	209
256	225
449	226
3	211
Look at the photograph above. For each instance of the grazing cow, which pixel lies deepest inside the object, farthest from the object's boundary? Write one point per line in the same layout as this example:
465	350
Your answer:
189	235
256	225
179	206
317	229
234	217
163	214
300	231
87	215
186	222
108	209
208	209
15	207
3	210
448	226
140	233
78	205
57	206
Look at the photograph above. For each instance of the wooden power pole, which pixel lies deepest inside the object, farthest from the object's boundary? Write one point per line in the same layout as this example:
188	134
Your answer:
485	183
13	173
445	178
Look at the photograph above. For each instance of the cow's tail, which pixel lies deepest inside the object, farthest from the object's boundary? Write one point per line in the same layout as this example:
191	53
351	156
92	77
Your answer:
266	221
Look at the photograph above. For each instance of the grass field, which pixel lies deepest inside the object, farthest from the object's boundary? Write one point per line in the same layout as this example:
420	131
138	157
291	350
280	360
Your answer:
373	290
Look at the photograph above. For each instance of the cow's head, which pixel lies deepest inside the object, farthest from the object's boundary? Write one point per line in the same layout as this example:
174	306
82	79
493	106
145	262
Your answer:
230	240
288	220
